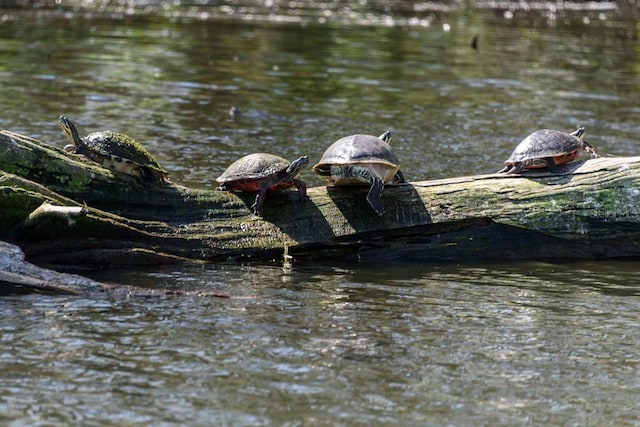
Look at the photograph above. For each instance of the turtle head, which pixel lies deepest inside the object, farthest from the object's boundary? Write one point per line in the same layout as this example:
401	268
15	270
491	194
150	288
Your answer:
386	137
579	133
296	166
72	133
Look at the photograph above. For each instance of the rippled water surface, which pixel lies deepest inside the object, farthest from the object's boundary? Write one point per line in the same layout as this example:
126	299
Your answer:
531	343
538	344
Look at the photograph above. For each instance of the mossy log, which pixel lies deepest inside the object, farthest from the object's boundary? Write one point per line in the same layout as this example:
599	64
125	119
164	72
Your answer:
589	210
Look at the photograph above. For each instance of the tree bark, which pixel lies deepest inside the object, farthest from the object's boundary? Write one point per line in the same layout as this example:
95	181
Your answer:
18	273
588	210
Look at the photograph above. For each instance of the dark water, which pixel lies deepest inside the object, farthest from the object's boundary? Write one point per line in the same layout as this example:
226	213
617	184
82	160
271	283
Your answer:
529	343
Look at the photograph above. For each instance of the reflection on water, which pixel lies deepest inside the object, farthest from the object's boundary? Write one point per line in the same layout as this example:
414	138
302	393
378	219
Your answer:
507	344
454	110
497	345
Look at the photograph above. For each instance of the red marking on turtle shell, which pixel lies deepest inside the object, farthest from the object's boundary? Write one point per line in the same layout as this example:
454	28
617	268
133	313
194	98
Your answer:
558	160
255	184
566	158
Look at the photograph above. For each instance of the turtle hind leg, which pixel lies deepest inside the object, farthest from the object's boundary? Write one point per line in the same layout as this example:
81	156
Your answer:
516	167
375	192
156	178
399	178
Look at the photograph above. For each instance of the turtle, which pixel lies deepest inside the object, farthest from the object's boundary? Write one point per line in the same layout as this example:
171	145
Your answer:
547	148
263	172
115	151
362	160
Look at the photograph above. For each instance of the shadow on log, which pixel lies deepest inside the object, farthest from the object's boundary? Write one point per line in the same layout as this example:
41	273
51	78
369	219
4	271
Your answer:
587	211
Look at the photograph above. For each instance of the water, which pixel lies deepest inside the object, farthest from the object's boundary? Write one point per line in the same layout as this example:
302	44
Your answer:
533	343
538	344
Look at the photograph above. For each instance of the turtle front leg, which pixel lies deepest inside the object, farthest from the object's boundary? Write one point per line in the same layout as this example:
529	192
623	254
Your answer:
589	150
302	190
262	194
144	175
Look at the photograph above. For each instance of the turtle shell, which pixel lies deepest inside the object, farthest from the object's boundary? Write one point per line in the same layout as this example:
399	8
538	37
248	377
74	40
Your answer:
545	143
360	151
247	173
121	147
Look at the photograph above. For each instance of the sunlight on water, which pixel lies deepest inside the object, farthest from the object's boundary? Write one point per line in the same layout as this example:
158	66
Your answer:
533	343
502	344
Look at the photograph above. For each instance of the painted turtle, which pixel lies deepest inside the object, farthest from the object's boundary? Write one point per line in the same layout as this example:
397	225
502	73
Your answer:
547	148
115	151
263	172
362	160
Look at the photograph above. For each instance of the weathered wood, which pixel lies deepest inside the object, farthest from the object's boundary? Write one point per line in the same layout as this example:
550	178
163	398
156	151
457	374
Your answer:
589	210
18	273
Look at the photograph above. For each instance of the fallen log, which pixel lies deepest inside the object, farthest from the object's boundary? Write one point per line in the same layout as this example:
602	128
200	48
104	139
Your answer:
587	211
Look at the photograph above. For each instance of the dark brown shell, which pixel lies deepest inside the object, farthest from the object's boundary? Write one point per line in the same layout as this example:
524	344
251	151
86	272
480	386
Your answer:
544	143
256	166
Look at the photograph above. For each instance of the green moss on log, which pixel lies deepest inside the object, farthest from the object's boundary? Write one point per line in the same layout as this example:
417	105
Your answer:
592	203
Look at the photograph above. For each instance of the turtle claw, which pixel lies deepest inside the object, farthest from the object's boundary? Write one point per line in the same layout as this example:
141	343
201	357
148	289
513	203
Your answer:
257	211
